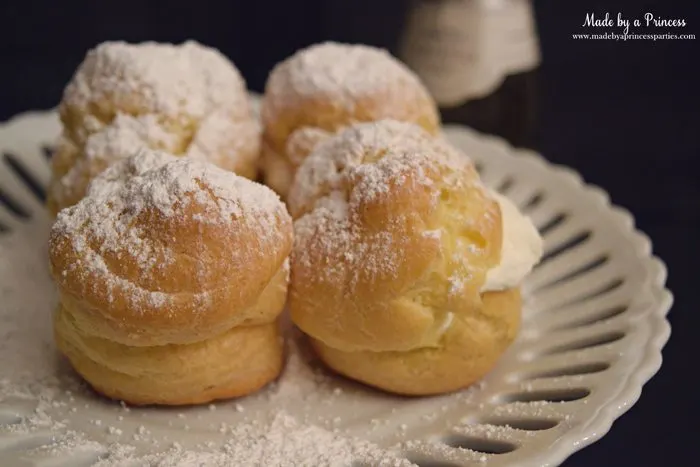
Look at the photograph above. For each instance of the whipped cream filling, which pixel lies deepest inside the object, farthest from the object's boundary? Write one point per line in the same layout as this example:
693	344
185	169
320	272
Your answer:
445	324
521	249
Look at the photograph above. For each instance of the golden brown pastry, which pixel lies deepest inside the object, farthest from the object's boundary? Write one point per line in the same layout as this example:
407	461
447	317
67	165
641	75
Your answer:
326	87
395	242
468	350
172	273
185	99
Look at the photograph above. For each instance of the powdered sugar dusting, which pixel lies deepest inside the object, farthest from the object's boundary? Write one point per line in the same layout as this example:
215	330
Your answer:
169	79
126	134
185	99
352	153
123	137
220	138
107	221
361	166
376	180
343	73
173	182
119	174
361	256
302	141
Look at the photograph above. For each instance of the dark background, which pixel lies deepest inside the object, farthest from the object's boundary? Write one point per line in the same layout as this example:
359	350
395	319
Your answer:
624	114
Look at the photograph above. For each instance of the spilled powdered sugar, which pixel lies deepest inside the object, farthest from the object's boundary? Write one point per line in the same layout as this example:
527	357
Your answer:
281	442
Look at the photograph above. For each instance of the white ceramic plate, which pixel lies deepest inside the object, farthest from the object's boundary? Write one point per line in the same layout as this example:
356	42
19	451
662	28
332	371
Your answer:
593	331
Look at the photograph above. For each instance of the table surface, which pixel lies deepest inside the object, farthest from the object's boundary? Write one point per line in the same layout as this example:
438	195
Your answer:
624	114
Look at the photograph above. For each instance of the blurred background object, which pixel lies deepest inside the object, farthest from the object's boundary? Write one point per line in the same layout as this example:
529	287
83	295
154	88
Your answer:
479	59
622	113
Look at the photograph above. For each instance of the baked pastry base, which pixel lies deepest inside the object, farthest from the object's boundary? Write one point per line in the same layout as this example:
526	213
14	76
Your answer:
277	171
466	353
235	363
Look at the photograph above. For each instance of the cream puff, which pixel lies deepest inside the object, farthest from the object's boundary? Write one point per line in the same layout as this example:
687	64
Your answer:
403	272
172	274
326	87
186	99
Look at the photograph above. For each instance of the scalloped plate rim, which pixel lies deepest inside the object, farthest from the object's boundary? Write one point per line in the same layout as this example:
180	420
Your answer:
630	392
